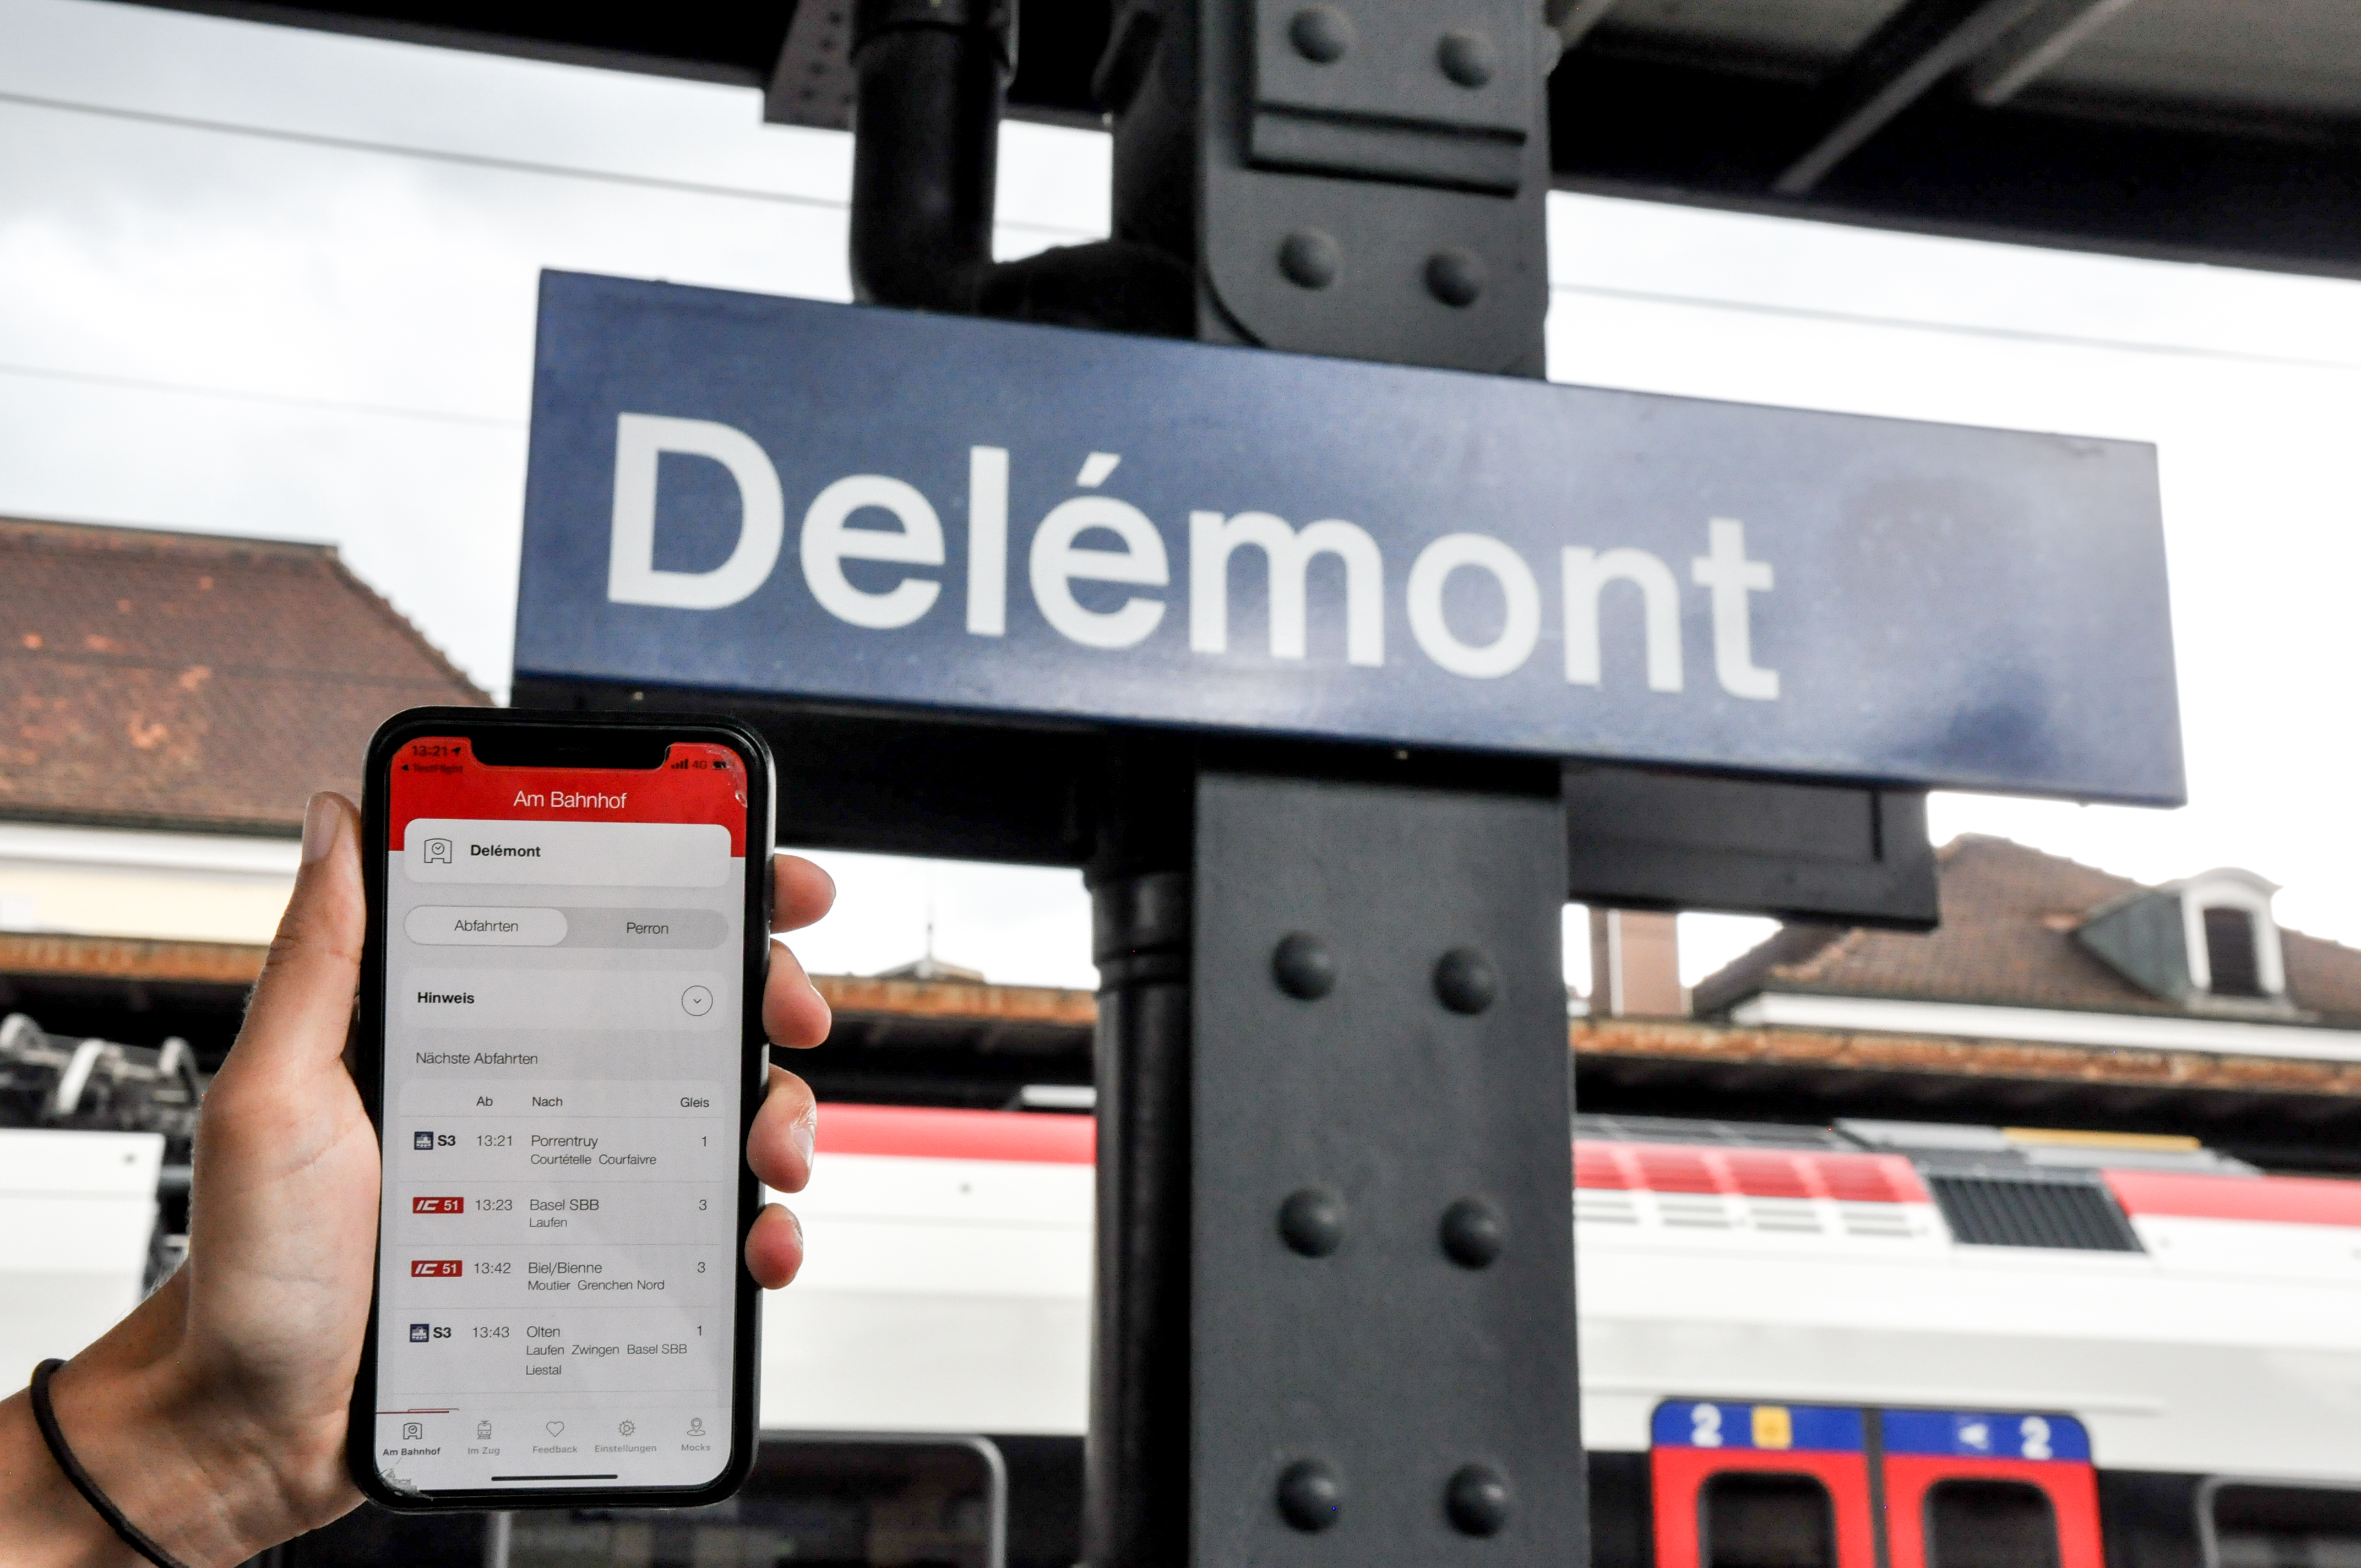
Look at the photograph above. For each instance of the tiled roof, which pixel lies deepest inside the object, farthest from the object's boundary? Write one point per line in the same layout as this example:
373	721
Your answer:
185	681
2006	939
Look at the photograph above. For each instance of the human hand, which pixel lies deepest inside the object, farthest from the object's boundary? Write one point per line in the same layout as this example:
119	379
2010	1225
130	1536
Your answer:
213	1416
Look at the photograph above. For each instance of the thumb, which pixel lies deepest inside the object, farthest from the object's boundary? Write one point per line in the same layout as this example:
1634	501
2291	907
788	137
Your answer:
303	1003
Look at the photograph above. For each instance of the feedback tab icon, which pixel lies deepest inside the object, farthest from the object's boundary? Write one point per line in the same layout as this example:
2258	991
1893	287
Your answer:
438	852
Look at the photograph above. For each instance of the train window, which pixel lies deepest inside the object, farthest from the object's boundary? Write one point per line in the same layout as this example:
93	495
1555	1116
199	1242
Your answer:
1751	1519
2286	1527
1990	1524
842	1503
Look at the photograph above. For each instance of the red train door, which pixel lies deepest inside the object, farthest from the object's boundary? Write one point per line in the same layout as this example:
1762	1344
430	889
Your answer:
1979	1490
1740	1486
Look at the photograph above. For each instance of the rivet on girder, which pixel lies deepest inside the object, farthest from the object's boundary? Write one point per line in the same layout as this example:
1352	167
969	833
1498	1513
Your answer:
1310	258
1467	58
1456	275
1303	967
1476	1500
1320	33
1472	1232
1312	1222
1310	1494
1465	981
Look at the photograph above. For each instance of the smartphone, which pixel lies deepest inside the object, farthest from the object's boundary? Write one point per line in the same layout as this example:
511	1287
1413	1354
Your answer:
560	1042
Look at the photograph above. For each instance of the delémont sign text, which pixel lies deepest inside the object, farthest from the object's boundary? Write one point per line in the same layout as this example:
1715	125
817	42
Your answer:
778	497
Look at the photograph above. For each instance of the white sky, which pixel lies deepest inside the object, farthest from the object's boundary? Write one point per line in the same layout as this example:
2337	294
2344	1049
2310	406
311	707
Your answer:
261	281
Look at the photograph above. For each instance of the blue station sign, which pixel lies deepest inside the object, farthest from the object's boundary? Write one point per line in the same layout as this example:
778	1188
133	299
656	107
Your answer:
853	505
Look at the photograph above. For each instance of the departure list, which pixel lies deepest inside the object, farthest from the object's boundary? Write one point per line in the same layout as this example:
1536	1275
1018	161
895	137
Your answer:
563	1044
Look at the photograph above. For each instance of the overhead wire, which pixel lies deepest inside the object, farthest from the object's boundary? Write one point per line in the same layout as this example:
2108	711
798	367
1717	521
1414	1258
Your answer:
237	394
477	159
1961	329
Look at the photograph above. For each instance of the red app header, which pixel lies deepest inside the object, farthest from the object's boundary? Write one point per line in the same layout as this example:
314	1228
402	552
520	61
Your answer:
438	1205
698	781
434	1268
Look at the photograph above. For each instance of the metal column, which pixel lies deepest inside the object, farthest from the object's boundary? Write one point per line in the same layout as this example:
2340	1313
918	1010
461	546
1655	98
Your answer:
1336	1305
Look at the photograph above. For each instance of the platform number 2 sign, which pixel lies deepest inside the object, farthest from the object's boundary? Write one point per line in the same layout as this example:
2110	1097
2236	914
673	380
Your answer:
1705	1425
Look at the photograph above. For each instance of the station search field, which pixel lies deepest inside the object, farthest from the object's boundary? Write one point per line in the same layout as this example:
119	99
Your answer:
581	855
504	925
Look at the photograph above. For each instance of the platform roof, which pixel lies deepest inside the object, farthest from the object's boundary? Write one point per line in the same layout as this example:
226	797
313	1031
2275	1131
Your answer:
2214	130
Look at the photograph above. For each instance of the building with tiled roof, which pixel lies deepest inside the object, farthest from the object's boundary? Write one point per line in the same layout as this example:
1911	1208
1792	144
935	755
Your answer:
2035	948
168	702
2052	994
186	682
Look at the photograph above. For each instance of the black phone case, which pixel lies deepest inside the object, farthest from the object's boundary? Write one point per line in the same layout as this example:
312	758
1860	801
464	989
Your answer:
368	1072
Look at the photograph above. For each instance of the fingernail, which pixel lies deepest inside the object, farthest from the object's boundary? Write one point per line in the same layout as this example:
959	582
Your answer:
805	1134
322	822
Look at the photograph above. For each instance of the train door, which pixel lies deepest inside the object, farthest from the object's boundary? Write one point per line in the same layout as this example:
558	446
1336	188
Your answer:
1977	1489
1740	1486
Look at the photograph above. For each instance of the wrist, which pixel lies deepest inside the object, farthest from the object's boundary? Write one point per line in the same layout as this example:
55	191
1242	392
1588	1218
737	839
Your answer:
174	1447
178	1467
44	1523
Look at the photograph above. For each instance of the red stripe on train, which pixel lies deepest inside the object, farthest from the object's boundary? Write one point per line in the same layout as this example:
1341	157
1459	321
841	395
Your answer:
1034	1137
2288	1199
1056	1139
1746	1173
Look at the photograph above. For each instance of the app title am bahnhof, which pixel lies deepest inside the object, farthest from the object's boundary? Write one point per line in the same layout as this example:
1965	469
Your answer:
562	800
1094	538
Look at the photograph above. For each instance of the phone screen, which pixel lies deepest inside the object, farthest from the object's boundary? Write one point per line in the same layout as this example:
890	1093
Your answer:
563	1039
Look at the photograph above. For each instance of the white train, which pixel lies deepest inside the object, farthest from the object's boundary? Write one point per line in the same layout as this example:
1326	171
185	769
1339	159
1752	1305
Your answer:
1876	1346
1870	1346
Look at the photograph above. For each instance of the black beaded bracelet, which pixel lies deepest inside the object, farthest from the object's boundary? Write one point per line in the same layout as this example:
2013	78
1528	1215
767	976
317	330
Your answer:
133	1536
